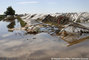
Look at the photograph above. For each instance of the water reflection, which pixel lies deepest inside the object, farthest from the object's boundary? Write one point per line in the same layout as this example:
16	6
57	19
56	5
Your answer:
11	25
78	41
72	40
50	46
27	46
11	28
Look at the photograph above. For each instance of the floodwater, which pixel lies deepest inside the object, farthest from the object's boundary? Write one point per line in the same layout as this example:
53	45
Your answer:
17	45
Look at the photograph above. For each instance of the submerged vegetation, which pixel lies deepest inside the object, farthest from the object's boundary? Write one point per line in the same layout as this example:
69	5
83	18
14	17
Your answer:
21	21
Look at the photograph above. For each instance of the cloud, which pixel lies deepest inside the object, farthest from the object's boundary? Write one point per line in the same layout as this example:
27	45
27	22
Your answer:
29	2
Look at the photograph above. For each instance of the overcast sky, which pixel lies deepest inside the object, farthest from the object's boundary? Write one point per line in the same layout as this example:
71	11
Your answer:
45	6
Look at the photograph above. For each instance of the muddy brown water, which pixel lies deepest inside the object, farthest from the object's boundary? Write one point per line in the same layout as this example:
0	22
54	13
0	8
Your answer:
16	45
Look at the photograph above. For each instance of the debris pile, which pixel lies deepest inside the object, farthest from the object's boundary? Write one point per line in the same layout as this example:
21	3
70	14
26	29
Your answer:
68	26
34	29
